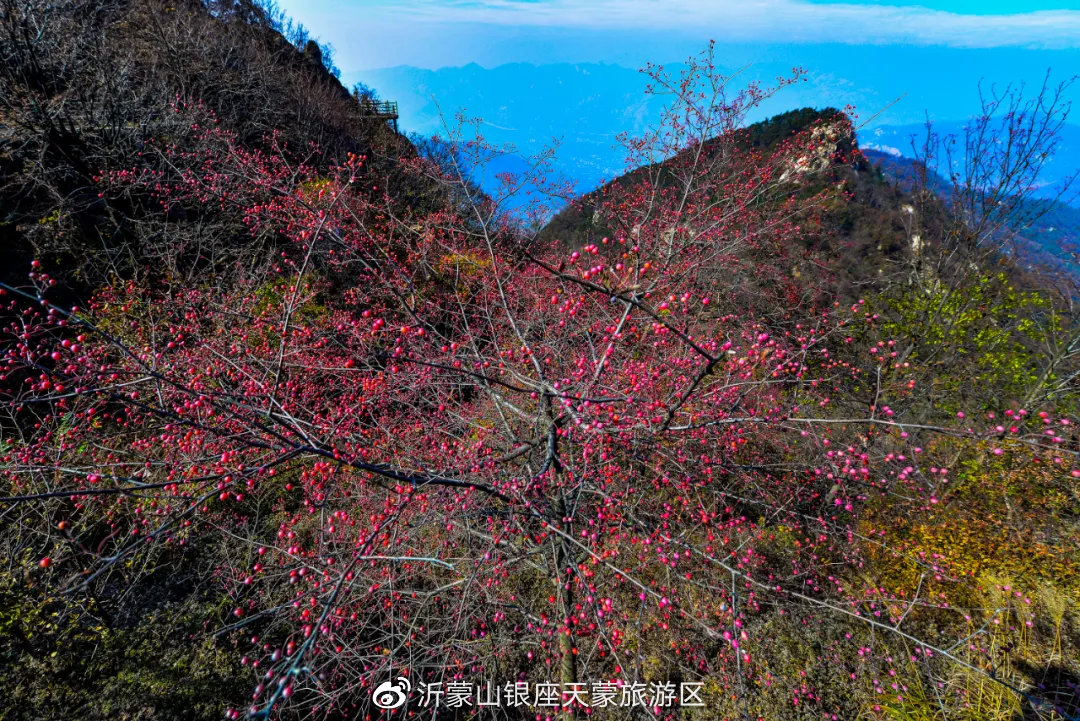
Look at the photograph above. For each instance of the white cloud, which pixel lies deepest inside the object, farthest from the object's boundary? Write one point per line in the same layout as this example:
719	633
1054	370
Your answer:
758	20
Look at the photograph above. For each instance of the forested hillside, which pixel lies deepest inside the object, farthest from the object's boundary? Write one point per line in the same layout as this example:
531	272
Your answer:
299	423
1049	236
90	88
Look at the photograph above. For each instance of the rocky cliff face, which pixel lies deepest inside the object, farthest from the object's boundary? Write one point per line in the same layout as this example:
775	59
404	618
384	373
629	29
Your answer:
831	139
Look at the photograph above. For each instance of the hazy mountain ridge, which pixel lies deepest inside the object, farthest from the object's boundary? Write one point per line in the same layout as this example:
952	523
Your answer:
584	106
908	141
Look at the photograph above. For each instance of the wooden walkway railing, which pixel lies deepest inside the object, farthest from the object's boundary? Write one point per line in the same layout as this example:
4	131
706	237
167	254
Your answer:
385	109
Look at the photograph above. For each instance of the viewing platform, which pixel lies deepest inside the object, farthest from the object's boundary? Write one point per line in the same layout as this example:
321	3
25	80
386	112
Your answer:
383	109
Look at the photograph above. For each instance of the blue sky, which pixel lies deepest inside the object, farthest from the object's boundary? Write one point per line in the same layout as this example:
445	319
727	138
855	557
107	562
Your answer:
437	33
974	7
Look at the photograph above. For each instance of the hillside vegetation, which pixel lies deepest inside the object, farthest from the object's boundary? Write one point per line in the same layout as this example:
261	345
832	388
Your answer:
291	409
89	88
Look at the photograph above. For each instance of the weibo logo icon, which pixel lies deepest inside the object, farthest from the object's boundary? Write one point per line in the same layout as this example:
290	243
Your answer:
391	694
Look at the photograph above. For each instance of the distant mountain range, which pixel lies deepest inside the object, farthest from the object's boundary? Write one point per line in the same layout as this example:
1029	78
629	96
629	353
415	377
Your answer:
586	105
583	107
905	141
